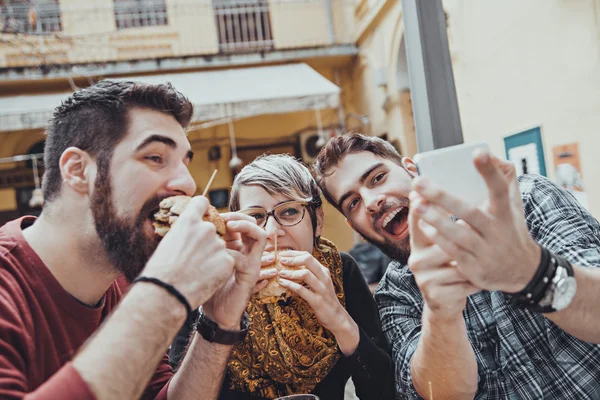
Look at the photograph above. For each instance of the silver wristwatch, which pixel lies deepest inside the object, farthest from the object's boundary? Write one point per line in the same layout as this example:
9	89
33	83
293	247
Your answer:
561	291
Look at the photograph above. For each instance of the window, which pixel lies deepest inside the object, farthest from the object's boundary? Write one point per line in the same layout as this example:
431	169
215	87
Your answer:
243	25
29	16
140	13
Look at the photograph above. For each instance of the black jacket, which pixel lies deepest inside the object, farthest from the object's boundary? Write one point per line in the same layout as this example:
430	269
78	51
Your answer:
370	366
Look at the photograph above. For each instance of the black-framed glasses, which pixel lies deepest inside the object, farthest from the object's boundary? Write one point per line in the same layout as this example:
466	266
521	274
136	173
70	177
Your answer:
289	213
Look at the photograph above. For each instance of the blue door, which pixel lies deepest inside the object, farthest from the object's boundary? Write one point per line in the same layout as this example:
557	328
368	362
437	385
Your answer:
526	150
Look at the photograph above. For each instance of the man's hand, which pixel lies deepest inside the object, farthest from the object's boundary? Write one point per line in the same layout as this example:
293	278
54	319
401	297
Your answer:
491	243
192	257
443	287
245	242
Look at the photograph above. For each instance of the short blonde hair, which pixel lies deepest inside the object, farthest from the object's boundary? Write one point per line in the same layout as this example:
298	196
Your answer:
279	174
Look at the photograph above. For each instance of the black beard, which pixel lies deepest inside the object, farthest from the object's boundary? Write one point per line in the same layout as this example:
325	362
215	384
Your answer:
398	251
127	246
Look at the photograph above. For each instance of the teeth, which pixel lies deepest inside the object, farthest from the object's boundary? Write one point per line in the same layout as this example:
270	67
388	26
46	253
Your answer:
391	216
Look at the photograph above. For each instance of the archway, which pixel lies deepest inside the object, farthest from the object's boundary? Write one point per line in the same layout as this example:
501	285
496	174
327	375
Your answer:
401	112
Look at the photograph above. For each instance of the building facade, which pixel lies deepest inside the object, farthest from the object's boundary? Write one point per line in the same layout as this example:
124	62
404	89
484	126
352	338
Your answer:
264	75
527	77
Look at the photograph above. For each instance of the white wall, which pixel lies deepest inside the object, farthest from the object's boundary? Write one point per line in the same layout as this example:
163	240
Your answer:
520	64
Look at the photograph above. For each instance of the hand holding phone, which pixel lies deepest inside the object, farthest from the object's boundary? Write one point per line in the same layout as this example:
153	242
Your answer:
452	169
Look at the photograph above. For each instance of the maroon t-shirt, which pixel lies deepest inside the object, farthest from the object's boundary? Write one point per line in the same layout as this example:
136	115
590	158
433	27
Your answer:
42	326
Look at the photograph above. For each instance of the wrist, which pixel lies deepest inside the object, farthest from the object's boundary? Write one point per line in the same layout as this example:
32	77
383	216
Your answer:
160	301
526	271
229	324
346	334
211	332
443	319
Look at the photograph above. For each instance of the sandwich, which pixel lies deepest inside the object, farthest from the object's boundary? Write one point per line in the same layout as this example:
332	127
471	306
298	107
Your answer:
172	207
274	292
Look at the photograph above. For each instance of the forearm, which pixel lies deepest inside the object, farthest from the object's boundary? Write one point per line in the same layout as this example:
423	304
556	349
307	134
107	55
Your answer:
444	359
202	371
119	360
582	317
347	334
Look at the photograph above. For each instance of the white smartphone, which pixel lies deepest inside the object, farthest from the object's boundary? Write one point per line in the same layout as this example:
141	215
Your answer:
453	170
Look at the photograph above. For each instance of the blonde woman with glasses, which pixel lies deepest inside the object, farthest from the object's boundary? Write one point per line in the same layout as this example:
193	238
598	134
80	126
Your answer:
330	330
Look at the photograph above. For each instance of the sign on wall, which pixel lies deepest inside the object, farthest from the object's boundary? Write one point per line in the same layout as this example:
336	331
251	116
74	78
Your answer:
568	172
526	151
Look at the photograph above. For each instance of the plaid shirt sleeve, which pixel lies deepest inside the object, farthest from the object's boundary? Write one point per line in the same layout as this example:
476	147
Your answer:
400	308
520	354
557	221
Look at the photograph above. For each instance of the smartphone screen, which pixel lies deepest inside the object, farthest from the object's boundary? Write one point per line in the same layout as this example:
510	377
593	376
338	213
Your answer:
453	170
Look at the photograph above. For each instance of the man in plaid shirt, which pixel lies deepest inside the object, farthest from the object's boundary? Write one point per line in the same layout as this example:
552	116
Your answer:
447	311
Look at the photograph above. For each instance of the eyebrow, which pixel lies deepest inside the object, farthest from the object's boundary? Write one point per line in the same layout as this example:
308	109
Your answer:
165	140
276	205
361	181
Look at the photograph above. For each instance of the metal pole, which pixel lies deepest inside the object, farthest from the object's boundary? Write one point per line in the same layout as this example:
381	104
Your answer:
435	107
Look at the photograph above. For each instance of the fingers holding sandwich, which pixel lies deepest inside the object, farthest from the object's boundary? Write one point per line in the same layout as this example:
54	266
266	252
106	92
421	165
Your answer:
266	274
315	286
171	208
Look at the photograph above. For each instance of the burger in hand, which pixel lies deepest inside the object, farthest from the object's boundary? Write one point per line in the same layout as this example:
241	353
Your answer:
171	208
274	292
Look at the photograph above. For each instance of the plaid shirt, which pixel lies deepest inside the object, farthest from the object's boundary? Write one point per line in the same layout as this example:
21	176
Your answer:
520	354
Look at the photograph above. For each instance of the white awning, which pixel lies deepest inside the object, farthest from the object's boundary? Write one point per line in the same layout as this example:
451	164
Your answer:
218	94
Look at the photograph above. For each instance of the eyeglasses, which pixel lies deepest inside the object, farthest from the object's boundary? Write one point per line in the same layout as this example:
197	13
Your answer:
289	213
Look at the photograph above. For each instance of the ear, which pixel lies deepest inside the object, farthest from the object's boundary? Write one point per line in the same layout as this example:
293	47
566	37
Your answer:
77	169
410	166
320	217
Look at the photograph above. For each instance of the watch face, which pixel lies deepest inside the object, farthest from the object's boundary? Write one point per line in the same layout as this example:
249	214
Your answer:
564	293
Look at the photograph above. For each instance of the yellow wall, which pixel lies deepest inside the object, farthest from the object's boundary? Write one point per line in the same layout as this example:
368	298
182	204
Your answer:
533	65
375	84
516	66
89	32
298	24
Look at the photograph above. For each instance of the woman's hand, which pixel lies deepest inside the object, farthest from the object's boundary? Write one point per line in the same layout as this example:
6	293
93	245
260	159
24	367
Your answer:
265	274
313	283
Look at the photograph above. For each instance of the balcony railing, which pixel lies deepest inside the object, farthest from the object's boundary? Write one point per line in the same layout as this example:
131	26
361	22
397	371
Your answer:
140	13
29	16
243	25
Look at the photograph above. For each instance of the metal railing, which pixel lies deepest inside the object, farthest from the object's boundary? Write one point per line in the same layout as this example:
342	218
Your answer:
29	16
243	25
140	13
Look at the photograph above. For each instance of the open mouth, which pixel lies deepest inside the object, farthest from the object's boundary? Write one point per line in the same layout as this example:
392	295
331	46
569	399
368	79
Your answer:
396	222
160	220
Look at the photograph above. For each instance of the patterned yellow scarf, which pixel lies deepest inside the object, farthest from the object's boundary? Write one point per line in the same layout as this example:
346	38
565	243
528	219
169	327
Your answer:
287	351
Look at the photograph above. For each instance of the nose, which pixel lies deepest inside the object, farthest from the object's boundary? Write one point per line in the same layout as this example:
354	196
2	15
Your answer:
273	228
373	202
182	181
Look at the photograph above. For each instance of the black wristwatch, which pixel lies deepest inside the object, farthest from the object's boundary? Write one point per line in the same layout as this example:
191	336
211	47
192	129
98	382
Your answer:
551	289
211	332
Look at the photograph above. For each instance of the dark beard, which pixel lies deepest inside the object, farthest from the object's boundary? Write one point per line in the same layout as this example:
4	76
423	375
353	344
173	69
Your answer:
127	246
398	251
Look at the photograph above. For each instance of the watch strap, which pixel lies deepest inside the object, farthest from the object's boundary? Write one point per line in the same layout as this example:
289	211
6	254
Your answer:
211	332
539	299
534	291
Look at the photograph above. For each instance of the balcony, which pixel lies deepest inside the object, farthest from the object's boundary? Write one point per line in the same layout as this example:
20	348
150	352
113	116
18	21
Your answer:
39	33
243	25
